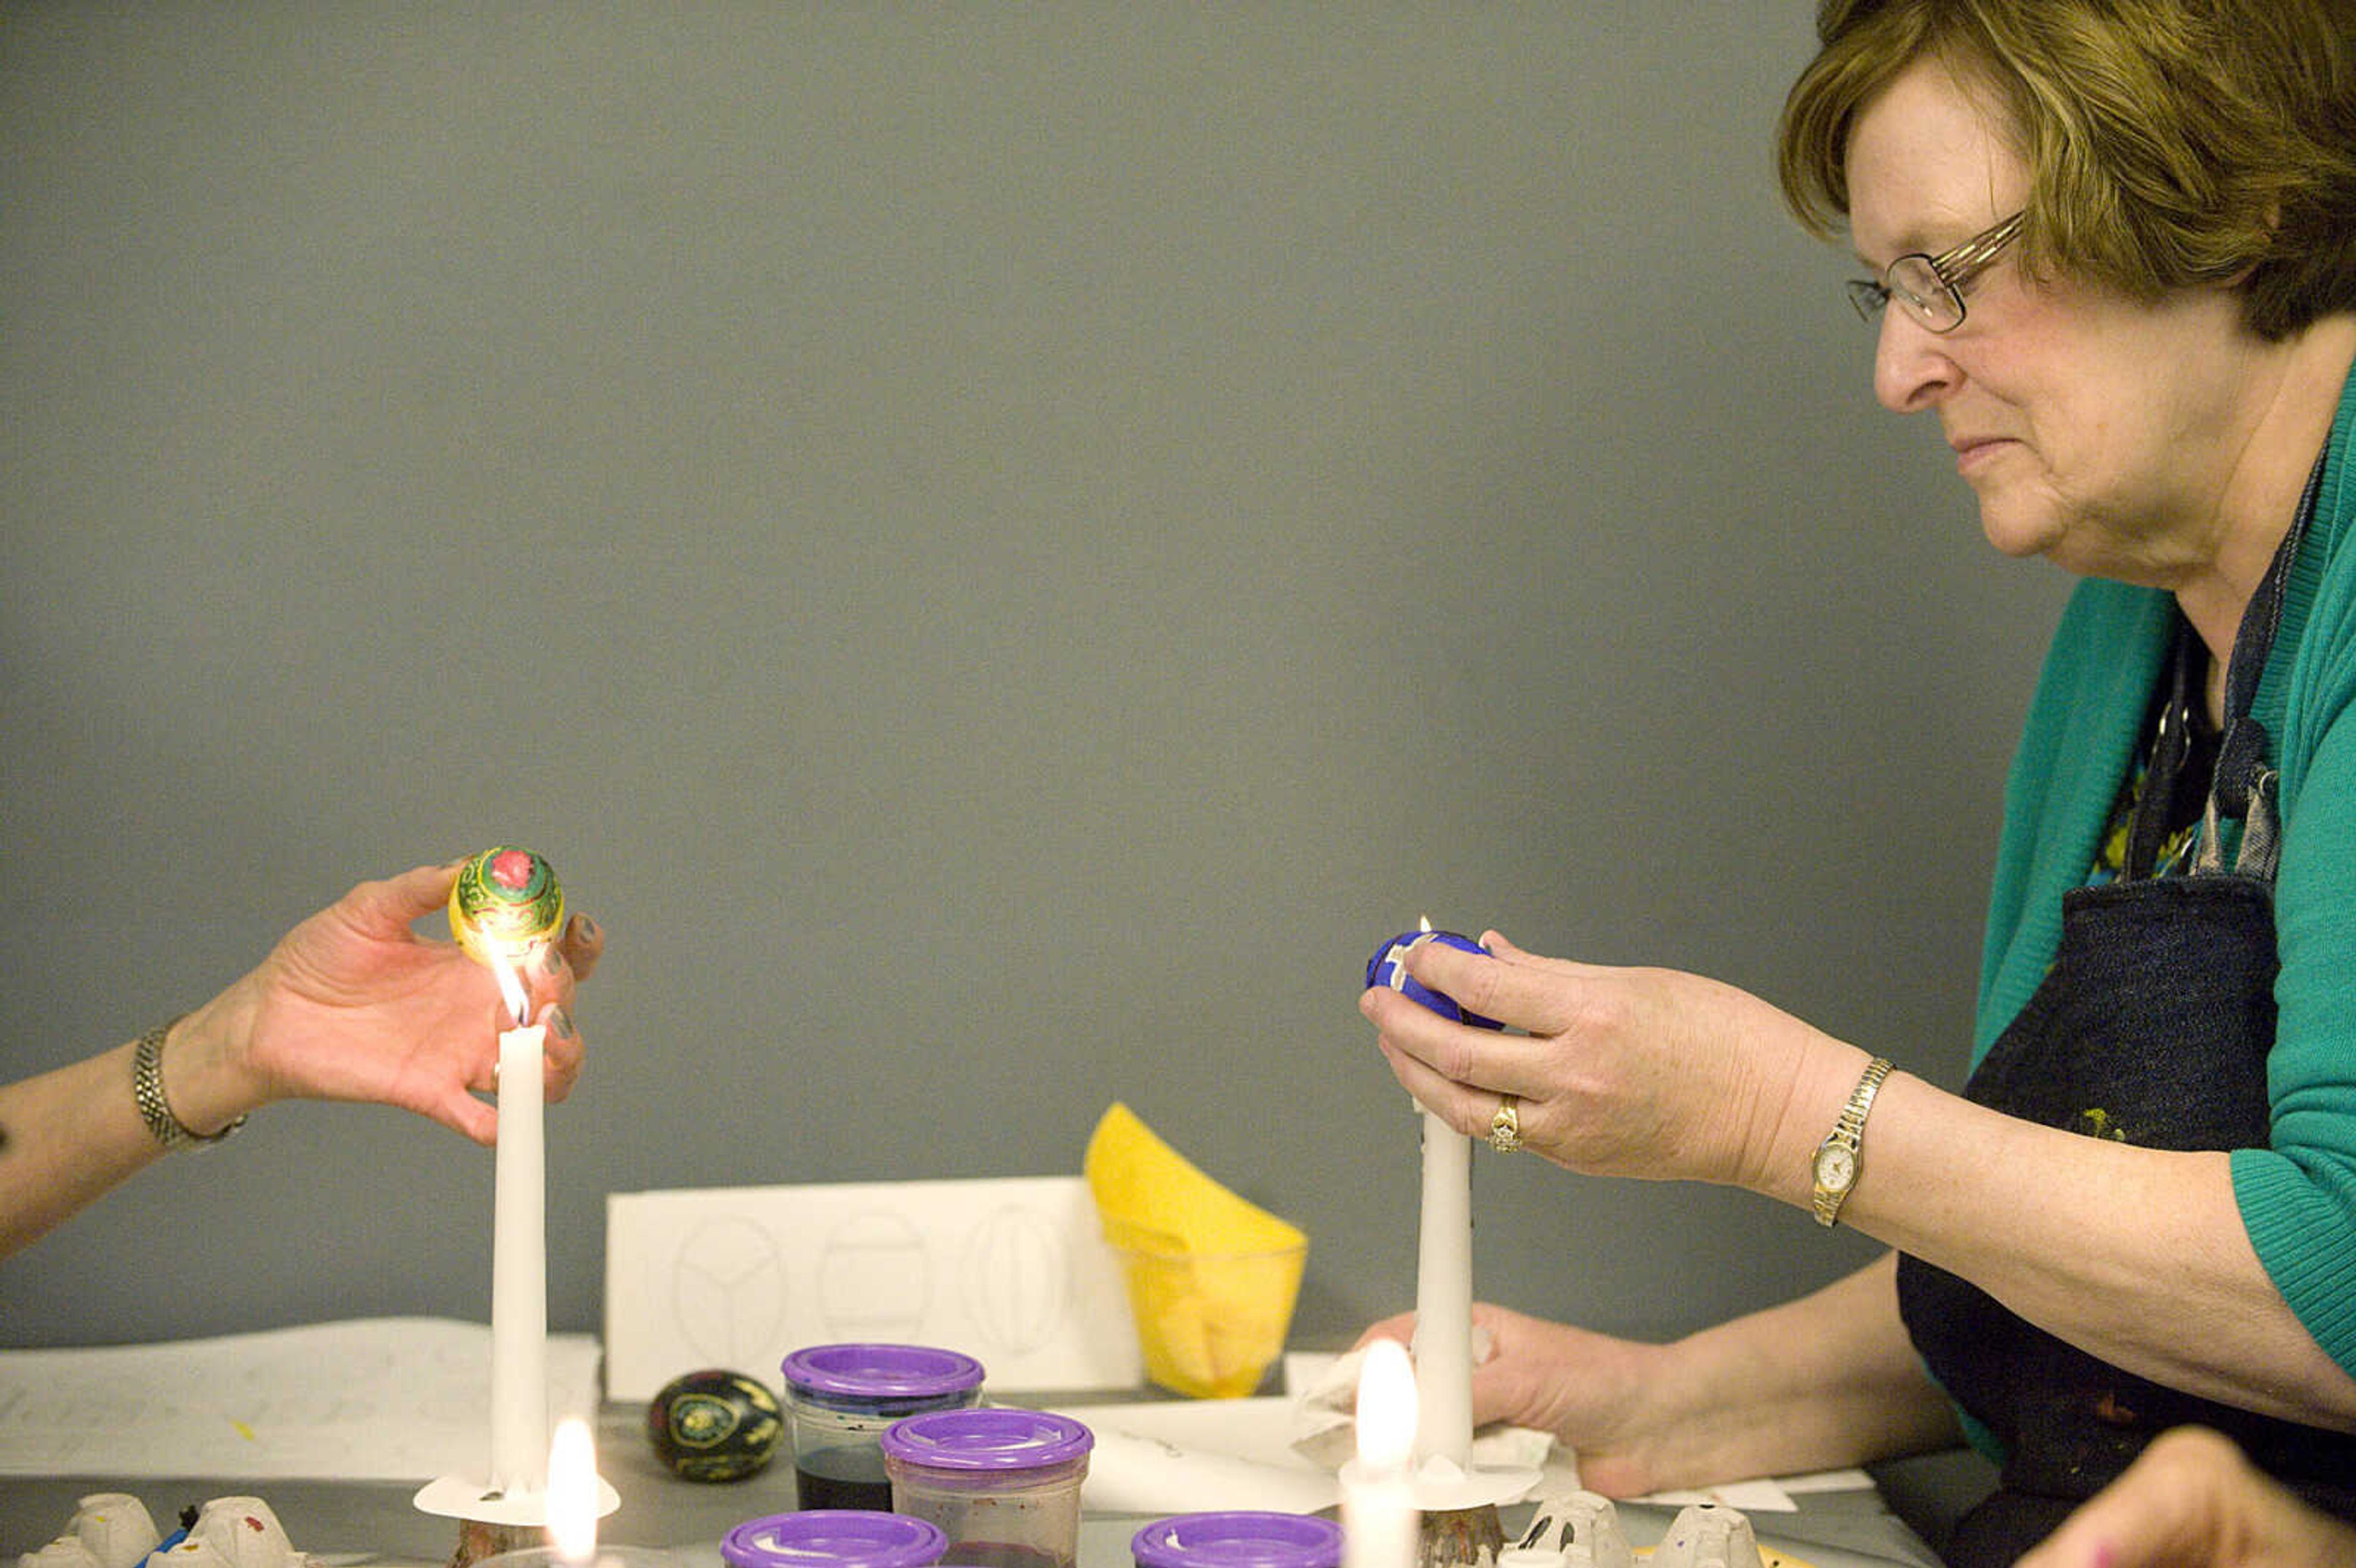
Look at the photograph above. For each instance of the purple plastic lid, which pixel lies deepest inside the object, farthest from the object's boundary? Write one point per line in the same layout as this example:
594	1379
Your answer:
881	1373
817	1537
987	1440
1239	1541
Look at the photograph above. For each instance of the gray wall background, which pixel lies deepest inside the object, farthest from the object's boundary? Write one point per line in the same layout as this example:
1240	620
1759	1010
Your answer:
1000	549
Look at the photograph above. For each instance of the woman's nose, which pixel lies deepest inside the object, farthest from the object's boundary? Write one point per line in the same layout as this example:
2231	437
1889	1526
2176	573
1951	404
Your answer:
1912	370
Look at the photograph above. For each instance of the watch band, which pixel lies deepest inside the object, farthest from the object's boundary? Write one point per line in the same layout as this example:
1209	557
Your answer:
1848	1133
147	1089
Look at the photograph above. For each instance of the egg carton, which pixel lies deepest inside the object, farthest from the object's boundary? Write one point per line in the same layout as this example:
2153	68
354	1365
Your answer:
1582	1531
114	1529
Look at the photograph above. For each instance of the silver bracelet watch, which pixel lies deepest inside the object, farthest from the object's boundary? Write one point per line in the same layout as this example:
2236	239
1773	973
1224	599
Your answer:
147	1088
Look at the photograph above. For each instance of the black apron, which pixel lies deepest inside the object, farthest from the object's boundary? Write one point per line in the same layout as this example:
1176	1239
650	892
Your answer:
2153	1027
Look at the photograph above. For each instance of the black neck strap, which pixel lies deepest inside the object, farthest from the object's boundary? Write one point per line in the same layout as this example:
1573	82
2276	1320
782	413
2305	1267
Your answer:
2243	755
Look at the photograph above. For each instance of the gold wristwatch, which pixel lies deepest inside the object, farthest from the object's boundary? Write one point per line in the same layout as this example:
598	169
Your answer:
1842	1154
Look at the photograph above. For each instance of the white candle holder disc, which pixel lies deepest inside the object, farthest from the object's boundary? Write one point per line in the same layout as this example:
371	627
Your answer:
1458	1525
490	1522
456	1497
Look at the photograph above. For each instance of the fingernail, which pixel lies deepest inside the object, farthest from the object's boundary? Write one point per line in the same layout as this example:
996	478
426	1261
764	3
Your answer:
587	927
553	959
561	1021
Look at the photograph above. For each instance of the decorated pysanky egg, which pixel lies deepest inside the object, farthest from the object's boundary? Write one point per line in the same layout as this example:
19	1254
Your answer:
714	1425
1388	967
505	903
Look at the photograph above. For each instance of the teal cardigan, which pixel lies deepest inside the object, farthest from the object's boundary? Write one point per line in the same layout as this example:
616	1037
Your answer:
2297	1196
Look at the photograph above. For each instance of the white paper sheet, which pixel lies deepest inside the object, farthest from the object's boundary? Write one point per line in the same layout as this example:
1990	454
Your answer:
385	1399
1196	1455
1013	1271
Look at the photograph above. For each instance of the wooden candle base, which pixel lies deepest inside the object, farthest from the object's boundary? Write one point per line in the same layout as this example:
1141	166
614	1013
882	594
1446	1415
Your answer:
479	1538
1460	1538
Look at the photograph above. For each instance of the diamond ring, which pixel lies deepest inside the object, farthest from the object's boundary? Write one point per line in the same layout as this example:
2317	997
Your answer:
1506	1126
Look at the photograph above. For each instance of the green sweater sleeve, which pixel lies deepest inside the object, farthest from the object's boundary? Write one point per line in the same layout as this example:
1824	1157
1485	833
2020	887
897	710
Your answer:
2297	1196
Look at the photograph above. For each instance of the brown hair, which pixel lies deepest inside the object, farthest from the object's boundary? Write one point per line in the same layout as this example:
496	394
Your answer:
2169	143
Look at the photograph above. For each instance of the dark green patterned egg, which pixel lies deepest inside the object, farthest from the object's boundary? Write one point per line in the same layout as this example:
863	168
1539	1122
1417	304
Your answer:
714	1425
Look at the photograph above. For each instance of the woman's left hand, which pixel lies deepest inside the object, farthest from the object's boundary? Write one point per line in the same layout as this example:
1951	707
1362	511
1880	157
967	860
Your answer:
2192	1498
1639	1073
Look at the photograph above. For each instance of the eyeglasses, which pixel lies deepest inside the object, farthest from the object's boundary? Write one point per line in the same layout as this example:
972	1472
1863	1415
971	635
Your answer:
1930	288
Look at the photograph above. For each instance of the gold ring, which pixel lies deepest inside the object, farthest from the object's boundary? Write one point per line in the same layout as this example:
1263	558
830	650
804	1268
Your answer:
1506	1126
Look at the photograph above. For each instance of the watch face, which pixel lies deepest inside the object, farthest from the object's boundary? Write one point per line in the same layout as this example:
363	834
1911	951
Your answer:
1836	1167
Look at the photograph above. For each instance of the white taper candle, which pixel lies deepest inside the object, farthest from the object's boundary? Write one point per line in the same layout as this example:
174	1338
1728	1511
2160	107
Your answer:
519	1270
1443	1298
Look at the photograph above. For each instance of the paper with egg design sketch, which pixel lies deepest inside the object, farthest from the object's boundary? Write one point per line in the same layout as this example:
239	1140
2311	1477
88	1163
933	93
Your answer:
1011	1271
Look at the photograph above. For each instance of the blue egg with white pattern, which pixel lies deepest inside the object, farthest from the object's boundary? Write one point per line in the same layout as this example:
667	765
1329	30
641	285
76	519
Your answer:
1387	969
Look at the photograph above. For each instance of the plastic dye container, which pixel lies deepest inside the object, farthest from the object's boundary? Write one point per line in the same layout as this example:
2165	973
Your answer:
839	1398
1003	1485
833	1538
1237	1541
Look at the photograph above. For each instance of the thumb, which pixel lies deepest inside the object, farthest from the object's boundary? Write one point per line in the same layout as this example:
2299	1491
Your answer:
394	903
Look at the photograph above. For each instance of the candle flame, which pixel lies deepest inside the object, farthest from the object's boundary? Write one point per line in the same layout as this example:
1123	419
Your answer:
572	1492
504	968
1386	1409
1425	921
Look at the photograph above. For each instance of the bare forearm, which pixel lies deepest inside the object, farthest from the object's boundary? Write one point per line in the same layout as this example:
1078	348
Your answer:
71	1136
2136	1255
1828	1379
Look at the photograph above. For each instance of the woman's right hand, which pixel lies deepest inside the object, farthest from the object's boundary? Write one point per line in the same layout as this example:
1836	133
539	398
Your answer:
1582	1387
355	1004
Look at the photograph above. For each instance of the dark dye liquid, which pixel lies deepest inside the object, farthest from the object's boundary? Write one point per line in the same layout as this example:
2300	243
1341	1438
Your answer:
999	1555
843	1478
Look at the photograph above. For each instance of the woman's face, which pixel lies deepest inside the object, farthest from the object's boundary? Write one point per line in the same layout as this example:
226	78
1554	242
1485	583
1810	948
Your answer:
2099	431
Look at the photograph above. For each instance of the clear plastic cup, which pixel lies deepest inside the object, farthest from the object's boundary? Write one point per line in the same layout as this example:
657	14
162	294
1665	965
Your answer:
840	1400
1003	1485
1210	1323
1239	1539
833	1538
